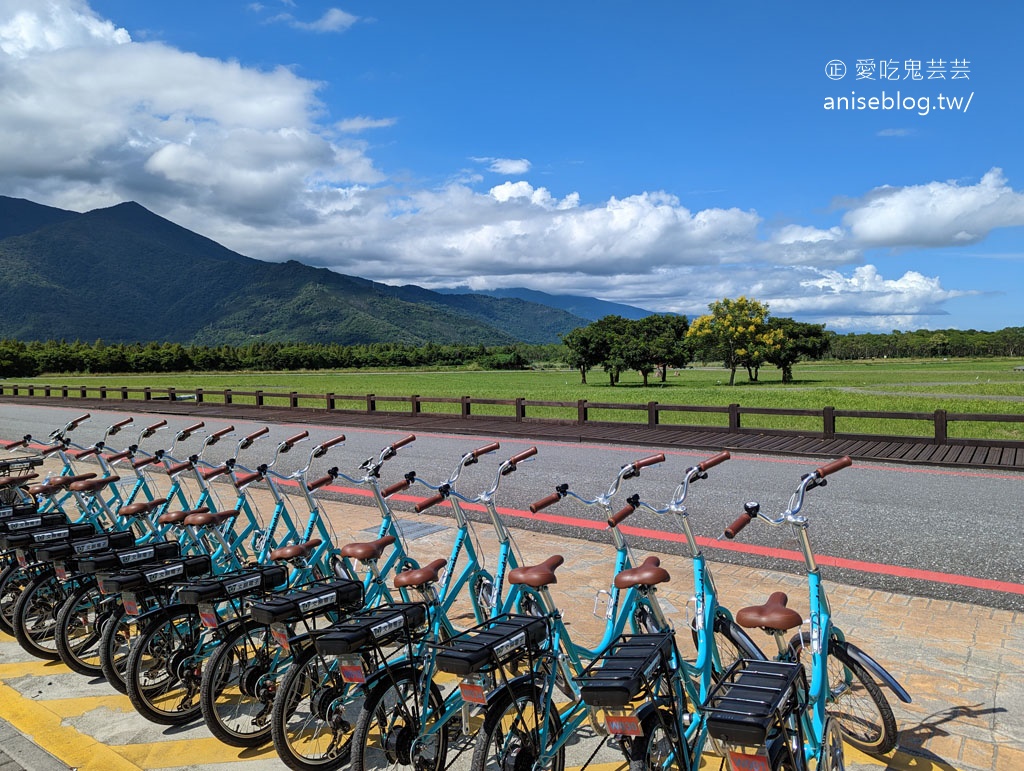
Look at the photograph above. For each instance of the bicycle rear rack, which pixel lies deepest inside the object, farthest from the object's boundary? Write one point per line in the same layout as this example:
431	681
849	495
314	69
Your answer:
752	711
491	645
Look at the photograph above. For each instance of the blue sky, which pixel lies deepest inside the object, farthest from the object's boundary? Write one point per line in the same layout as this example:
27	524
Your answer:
661	154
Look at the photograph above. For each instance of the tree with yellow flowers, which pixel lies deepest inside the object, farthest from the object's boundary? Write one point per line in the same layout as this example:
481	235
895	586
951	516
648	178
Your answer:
737	332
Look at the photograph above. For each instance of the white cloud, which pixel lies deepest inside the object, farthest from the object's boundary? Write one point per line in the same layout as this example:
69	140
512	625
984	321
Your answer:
334	19
250	158
935	214
515	167
362	123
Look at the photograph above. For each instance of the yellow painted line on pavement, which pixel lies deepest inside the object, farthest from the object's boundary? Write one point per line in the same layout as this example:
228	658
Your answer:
33	667
38	723
188	752
78	706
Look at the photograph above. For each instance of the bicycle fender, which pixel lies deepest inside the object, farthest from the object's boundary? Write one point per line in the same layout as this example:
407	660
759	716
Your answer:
511	686
387	672
877	670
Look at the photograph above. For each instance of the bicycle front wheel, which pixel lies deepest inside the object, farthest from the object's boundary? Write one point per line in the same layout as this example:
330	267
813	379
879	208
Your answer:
512	735
854	699
164	668
237	691
12	581
314	714
393	723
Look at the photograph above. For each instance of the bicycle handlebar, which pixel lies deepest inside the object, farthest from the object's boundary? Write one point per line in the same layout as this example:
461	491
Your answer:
321	449
403	442
543	503
396	487
492	447
714	460
291	441
71	426
650	461
426	504
246	443
618	517
834	466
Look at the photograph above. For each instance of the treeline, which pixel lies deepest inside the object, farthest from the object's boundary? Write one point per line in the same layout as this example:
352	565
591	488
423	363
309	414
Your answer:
20	359
927	343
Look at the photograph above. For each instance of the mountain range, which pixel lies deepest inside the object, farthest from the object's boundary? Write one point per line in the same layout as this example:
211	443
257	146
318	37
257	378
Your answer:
125	274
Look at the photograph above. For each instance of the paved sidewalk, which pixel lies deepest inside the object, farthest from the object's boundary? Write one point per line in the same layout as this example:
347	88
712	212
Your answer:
962	665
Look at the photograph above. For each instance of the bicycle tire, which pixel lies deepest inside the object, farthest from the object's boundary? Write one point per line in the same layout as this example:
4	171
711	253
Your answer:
79	629
12	582
656	748
390	722
855	702
116	638
235	696
309	723
162	672
509	737
35	615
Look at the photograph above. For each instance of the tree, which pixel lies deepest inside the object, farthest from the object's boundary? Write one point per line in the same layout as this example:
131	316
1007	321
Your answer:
736	331
798	341
583	350
666	336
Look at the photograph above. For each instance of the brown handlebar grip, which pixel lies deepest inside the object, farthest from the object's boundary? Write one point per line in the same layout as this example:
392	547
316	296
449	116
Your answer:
645	462
404	442
257	434
155	426
118	456
331	442
214	472
529	453
79	454
616	519
12	445
316	484
492	447
424	505
714	460
297	438
543	503
738	524
388	491
78	421
123	423
144	461
834	466
223	432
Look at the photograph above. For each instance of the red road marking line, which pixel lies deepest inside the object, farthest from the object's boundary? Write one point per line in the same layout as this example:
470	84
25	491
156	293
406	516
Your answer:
877	568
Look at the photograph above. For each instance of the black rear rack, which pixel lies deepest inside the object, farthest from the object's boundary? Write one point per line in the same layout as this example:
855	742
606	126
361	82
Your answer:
491	645
752	701
398	624
625	669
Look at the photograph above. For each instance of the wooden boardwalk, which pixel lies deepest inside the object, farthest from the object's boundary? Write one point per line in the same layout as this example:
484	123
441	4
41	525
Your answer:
957	453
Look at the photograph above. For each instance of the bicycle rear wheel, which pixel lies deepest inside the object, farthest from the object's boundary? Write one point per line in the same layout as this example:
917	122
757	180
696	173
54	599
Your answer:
855	701
657	746
12	581
731	645
237	691
390	725
314	714
35	615
79	625
511	734
116	638
164	668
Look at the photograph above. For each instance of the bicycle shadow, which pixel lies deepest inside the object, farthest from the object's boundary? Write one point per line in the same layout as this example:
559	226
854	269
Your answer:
912	754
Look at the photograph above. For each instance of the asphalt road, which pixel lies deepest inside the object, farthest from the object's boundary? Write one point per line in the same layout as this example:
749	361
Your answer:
926	531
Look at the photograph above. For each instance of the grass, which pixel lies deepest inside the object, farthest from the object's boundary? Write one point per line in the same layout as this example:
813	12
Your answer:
957	386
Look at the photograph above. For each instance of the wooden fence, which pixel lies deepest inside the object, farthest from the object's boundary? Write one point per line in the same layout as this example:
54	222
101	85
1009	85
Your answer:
733	418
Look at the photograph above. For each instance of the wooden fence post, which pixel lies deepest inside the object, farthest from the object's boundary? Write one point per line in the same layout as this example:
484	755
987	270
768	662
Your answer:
941	427
466	406
828	416
227	396
414	401
329	398
520	409
259	398
652	414
293	399
581	411
199	396
734	417
371	403
124	393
